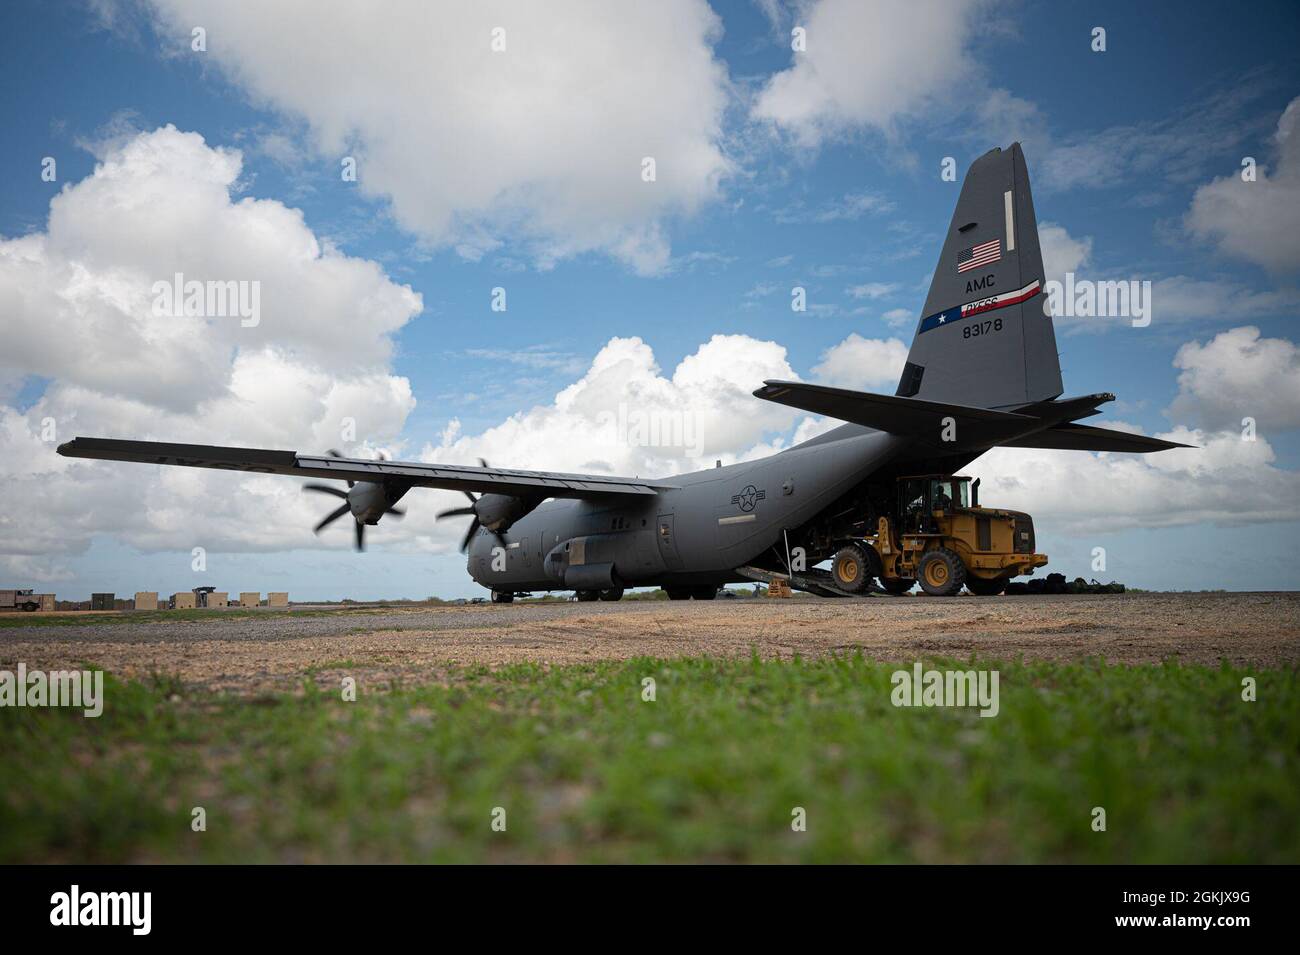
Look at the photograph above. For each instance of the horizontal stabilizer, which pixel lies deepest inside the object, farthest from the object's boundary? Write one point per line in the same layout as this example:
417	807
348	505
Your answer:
1082	437
1066	409
975	427
912	417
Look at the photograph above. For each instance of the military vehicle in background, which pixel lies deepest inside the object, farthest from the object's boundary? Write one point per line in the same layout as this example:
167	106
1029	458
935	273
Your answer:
25	600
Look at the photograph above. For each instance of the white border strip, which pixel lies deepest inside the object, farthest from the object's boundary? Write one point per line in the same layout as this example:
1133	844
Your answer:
1011	221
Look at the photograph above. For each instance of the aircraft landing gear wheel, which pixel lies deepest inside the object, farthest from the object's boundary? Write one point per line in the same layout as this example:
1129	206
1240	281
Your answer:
586	596
707	592
503	597
897	585
678	593
983	587
941	572
851	569
612	594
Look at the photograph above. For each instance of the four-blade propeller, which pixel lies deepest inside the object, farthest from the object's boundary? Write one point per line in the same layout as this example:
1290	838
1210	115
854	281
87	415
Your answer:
367	501
471	511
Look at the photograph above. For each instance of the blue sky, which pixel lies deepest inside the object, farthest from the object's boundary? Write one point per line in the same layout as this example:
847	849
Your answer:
1118	144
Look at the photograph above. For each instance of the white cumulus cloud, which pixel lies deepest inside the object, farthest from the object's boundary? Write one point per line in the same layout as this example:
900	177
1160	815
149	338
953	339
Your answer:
78	298
1061	251
1257	221
866	64
1224	480
626	417
541	141
76	309
1236	375
863	364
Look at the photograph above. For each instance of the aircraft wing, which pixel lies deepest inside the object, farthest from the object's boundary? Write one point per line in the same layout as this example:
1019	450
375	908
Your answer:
1082	437
486	480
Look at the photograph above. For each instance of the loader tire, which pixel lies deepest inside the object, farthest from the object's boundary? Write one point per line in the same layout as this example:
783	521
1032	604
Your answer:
851	569
897	585
984	587
941	572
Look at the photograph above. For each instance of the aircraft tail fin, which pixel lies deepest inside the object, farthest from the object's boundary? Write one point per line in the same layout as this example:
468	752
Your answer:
984	338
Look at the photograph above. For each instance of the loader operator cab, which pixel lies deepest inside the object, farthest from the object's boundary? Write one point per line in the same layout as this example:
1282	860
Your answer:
919	498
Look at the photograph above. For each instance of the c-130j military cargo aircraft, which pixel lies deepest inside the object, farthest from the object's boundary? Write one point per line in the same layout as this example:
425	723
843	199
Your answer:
877	495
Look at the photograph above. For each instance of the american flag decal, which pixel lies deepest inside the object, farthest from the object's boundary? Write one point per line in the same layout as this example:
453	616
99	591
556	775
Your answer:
978	256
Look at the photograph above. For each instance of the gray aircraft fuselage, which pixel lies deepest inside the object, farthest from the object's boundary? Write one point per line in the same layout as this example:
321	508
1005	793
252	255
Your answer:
693	534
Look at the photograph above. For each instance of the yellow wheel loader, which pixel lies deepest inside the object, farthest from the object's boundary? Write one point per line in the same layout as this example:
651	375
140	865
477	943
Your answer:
940	537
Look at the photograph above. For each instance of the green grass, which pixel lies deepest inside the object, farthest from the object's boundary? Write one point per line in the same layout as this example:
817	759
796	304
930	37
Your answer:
711	770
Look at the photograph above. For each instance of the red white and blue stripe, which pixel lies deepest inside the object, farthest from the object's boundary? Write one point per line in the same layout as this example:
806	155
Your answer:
950	316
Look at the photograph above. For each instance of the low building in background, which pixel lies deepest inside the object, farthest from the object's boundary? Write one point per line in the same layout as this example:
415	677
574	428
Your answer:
194	599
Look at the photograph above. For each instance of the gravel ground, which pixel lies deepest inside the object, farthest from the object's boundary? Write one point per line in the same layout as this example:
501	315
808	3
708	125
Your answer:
277	650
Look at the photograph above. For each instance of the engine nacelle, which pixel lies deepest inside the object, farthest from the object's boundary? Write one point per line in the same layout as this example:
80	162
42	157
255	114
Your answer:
496	512
370	500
